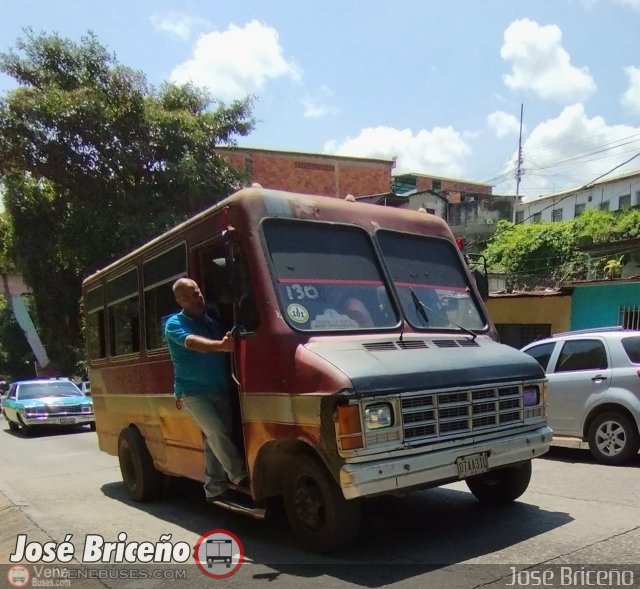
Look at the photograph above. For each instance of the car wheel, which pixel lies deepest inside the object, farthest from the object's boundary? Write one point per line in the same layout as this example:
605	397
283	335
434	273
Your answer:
25	430
319	515
613	438
92	426
13	426
139	474
501	486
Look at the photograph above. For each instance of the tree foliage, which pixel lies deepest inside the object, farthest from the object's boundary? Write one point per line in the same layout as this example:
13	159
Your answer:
94	161
548	254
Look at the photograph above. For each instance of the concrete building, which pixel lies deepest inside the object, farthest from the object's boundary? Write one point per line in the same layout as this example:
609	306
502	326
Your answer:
453	189
523	317
608	194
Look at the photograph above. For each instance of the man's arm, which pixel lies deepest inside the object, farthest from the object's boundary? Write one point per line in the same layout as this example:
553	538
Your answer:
205	345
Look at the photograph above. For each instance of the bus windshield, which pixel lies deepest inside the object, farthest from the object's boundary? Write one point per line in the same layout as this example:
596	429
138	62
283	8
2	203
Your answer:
430	282
327	277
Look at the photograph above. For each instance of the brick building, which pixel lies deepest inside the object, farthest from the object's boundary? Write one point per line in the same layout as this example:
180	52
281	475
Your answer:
327	175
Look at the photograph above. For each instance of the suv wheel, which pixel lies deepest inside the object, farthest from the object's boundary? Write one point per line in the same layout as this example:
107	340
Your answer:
613	438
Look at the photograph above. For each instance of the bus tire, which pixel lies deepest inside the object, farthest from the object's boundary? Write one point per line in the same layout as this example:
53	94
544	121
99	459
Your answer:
140	476
501	486
318	514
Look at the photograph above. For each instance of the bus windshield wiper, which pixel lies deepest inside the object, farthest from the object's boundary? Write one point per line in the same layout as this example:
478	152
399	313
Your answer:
422	309
420	306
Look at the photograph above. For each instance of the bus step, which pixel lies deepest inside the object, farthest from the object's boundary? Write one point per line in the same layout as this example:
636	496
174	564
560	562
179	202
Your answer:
243	505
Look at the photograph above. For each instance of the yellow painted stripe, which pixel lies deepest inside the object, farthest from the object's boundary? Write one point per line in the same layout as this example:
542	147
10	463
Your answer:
280	408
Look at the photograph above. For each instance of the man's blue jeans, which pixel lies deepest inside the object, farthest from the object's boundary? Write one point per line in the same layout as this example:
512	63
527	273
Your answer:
222	459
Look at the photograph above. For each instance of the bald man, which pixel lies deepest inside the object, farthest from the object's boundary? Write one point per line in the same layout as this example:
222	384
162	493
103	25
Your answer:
202	384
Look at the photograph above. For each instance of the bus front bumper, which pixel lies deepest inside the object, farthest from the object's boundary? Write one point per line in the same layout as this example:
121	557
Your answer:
432	467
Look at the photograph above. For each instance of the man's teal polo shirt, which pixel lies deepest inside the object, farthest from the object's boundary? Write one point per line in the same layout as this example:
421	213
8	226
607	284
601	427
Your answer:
196	373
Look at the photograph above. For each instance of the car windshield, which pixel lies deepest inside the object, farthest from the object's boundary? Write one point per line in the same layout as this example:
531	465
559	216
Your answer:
430	281
38	390
328	277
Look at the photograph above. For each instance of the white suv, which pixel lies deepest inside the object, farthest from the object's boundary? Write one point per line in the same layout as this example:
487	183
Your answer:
594	389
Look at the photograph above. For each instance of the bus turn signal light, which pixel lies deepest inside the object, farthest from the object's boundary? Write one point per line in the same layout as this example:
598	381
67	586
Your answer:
350	427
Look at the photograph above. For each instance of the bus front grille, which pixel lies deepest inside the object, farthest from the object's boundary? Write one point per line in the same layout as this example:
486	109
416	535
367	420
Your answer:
428	417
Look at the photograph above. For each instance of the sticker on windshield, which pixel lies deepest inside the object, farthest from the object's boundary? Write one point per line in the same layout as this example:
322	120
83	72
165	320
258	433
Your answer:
297	313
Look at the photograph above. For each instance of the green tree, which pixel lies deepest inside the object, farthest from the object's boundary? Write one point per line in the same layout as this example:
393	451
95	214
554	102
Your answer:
16	359
94	162
533	254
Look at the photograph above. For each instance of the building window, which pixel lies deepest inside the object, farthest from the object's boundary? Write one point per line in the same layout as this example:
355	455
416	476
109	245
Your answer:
556	215
589	198
519	216
638	197
536	217
518	335
579	209
624	202
436	184
629	317
604	205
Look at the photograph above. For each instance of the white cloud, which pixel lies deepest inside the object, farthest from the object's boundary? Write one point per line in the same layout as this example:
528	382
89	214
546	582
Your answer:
631	98
236	62
635	4
503	124
440	150
176	24
539	63
572	150
320	104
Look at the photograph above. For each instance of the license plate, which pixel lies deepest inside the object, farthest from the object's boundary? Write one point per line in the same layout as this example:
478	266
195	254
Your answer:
66	421
472	464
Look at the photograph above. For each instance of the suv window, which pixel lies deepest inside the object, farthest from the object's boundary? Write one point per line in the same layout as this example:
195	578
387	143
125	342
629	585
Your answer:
582	355
542	353
631	346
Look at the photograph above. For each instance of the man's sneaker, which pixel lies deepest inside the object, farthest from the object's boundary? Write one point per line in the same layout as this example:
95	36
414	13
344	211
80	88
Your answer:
224	496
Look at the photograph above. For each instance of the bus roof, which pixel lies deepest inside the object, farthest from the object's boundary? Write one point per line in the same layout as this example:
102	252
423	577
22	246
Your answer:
262	203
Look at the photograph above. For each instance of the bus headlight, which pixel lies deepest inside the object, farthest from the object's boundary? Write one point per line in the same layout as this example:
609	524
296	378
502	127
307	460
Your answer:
378	415
531	395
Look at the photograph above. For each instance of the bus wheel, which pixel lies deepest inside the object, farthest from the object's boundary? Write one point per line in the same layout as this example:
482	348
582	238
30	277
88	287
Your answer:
502	485
319	515
139	474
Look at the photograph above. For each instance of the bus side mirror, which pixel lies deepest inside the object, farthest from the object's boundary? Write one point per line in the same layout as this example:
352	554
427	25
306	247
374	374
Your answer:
247	315
482	282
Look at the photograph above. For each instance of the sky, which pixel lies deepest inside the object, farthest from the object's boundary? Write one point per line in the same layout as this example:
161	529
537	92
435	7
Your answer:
438	85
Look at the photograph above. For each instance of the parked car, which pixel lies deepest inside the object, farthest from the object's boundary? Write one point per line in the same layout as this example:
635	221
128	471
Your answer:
594	389
32	403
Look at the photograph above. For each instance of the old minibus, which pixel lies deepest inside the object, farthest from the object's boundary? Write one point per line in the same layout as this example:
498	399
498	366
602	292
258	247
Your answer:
365	360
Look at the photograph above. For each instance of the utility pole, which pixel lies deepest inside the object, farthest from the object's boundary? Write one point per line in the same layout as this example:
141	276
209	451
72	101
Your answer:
519	170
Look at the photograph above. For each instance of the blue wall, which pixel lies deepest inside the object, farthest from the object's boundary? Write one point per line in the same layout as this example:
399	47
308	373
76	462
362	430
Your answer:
599	305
